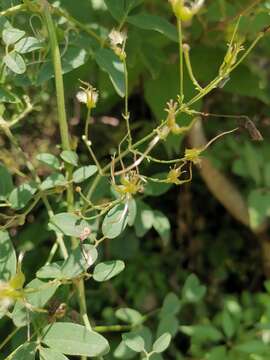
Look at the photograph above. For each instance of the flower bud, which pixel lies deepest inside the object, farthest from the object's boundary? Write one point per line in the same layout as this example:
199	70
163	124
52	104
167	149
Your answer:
185	10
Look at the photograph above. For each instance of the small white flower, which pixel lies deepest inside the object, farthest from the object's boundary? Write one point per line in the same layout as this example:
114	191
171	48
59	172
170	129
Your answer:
117	37
88	96
82	97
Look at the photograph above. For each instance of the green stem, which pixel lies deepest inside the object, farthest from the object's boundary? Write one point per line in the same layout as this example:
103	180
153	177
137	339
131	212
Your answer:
88	144
113	328
181	71
189	67
86	127
60	94
13	10
59	84
83	305
116	160
126	114
62	119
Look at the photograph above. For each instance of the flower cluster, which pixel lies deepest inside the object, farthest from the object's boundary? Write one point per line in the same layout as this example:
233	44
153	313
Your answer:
130	184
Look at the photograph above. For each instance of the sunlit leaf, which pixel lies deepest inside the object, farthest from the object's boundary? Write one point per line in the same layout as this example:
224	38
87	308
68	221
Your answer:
12	35
21	195
15	62
74	339
70	157
134	341
109	62
49	160
49	354
106	270
115	221
83	173
162	343
28	44
68	224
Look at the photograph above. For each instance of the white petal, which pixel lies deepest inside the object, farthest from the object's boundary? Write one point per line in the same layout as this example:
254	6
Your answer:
82	97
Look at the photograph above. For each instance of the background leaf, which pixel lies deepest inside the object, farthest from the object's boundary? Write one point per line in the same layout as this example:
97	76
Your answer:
6	183
8	261
110	63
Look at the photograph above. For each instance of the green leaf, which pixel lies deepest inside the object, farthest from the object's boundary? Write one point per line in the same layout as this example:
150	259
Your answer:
258	207
171	305
156	23
110	63
162	226
74	339
50	271
68	224
28	44
83	173
267	174
26	351
193	291
49	160
15	62
228	324
202	332
73	58
6	183
253	163
169	324
106	270
53	180
245	82
8	261
49	354
162	343
153	188
7	96
253	347
21	195
4	23
218	353
144	218
115	221
132	211
79	261
134	341
70	157
120	8
37	299
143	333
123	352
159	90
129	316
12	35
